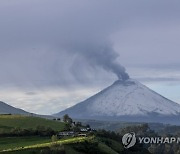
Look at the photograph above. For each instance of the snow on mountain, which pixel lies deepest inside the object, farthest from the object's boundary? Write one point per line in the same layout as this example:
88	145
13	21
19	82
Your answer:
7	109
124	100
132	98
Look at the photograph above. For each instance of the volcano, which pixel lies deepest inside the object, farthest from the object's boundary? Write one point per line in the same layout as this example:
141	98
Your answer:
127	100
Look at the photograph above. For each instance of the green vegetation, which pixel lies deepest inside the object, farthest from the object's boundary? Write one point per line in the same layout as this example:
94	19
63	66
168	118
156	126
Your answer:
67	119
76	145
99	142
8	122
17	137
106	149
14	142
167	131
70	150
113	144
18	125
47	144
54	138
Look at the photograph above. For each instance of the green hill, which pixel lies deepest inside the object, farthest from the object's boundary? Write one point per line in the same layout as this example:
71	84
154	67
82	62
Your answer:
76	145
97	142
8	122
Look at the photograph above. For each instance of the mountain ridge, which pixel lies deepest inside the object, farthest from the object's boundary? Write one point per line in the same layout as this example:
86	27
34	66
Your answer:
8	109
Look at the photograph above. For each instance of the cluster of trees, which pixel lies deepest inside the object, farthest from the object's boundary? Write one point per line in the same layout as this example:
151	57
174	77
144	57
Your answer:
87	147
173	148
54	149
104	137
139	130
71	125
109	134
40	130
142	130
168	129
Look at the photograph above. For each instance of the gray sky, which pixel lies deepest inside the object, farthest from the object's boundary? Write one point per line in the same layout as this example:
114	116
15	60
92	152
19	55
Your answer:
55	53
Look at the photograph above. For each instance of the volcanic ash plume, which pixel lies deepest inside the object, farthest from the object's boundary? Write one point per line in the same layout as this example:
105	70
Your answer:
111	65
105	57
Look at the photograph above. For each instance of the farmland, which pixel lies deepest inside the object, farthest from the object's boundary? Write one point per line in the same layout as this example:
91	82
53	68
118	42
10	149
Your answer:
14	142
31	143
27	135
8	122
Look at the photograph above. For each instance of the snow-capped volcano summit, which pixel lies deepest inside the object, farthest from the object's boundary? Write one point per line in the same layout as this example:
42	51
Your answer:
125	100
132	98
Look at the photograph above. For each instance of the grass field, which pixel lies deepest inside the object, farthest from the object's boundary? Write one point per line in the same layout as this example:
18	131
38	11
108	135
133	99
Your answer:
14	142
40	143
117	146
7	122
27	145
106	149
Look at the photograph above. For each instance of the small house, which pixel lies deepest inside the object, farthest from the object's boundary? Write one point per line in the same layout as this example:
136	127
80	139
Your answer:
66	133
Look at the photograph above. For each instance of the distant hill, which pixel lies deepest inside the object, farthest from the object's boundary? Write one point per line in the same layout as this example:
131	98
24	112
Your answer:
7	109
7	122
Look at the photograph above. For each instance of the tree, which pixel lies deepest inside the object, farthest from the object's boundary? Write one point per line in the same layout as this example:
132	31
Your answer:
67	119
78	124
54	138
67	127
87	126
76	129
70	121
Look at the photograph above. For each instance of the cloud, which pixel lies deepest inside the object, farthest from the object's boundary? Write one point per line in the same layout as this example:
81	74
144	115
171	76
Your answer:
45	46
46	43
46	101
30	93
78	44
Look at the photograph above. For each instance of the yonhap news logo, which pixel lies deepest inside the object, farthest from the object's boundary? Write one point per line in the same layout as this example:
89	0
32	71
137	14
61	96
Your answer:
130	139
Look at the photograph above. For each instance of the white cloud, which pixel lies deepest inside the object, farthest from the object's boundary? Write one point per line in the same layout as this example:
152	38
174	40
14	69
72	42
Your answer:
46	101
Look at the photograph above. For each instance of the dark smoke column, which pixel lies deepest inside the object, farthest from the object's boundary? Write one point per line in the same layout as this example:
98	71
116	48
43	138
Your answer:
123	76
119	70
102	55
107	58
